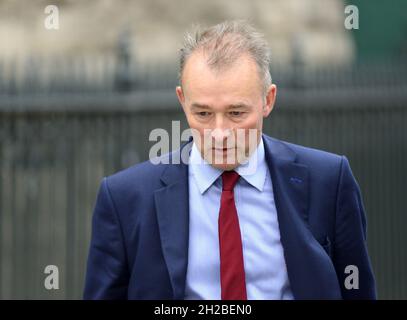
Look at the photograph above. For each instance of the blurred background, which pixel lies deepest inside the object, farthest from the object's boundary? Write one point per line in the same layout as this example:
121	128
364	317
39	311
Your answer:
78	103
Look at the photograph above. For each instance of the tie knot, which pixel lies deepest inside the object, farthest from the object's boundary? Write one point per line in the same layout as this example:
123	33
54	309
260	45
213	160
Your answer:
229	179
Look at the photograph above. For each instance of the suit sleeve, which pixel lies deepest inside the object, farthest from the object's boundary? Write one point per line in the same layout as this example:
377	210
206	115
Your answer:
107	273
350	252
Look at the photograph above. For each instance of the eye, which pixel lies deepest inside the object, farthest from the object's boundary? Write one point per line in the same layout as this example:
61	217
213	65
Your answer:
235	113
203	113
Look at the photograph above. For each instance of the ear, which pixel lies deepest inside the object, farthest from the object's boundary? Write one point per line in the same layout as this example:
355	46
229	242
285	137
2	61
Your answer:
181	97
270	100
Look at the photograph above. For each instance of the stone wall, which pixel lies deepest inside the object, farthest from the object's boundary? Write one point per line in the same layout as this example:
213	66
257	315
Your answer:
157	27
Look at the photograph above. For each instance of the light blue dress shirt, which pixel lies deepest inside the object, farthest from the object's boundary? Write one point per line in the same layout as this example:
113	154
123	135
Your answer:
264	263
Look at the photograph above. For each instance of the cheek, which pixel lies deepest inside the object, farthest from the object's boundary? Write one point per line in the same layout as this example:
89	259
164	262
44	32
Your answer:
199	132
252	122
252	128
195	125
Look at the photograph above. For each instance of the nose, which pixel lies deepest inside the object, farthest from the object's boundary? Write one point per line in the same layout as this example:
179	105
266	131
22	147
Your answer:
220	135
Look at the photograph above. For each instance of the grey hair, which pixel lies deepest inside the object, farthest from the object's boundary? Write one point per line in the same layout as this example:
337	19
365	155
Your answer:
224	43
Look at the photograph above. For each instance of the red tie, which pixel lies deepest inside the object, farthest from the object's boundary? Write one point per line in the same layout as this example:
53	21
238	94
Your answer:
232	277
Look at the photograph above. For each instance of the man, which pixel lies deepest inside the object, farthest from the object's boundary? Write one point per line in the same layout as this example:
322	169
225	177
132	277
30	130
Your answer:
293	227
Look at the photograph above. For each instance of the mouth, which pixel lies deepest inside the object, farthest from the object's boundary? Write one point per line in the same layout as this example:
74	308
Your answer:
222	149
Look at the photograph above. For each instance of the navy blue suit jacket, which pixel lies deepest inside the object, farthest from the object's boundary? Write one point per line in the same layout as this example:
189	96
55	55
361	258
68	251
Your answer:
139	243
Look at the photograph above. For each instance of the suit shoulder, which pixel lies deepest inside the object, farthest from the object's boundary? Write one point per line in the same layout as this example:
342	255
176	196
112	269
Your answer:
312	157
325	168
141	175
144	177
315	154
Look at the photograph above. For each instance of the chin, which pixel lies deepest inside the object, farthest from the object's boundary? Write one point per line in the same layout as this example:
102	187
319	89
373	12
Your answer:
225	167
221	162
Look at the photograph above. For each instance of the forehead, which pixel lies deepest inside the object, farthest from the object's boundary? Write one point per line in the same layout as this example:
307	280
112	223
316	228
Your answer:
239	79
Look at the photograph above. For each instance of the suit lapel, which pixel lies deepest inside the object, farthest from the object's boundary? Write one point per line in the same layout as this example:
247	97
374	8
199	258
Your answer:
310	270
172	208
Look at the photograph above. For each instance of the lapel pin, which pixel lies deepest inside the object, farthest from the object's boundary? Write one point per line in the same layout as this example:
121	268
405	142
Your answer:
295	180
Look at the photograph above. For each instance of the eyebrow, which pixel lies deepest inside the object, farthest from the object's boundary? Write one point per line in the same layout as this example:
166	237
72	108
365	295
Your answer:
231	106
199	106
239	106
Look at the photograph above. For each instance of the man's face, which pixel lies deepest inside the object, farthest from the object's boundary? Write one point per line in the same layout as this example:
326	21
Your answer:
224	108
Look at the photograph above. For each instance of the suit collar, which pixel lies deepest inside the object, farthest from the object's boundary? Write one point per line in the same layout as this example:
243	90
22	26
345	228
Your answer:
172	209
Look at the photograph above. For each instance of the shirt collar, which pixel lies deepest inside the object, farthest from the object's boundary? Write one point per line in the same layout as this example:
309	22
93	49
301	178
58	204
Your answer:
254	171
205	175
